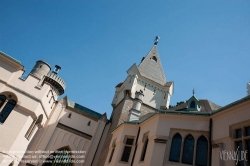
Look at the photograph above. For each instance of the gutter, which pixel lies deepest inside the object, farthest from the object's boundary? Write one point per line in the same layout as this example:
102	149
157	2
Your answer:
135	146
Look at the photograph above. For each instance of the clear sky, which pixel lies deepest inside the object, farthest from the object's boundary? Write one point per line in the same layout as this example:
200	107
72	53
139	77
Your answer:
203	45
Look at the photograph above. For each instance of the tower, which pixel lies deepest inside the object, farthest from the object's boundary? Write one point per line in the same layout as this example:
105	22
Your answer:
42	71
149	79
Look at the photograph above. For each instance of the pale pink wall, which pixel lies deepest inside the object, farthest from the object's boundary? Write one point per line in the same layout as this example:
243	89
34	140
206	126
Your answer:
78	122
158	153
119	135
95	141
11	129
159	126
6	70
225	123
223	120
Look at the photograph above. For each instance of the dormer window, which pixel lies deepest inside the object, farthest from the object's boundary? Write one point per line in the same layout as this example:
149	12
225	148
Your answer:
154	58
192	105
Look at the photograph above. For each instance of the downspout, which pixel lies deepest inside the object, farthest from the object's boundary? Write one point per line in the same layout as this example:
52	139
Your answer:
210	141
99	143
135	146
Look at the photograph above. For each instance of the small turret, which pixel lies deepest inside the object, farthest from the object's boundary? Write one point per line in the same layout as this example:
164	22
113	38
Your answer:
135	112
40	69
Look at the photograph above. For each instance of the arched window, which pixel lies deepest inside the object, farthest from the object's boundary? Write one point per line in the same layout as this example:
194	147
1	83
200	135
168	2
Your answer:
89	123
2	100
7	110
192	105
175	148
60	157
188	150
201	151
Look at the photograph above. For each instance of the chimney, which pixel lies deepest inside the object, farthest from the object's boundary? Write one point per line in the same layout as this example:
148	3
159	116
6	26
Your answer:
57	69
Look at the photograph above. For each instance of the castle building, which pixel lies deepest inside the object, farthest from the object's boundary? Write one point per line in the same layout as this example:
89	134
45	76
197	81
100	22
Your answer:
34	123
38	129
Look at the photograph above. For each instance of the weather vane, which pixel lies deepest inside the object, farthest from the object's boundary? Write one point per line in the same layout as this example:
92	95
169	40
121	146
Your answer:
156	40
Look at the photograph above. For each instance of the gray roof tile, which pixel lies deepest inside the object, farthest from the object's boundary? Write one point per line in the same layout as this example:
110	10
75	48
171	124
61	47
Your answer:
206	106
151	67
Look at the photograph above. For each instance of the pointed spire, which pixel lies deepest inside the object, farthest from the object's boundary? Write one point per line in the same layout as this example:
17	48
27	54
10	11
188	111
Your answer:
193	92
151	68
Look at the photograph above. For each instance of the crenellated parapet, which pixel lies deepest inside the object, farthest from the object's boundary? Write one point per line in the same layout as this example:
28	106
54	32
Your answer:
56	82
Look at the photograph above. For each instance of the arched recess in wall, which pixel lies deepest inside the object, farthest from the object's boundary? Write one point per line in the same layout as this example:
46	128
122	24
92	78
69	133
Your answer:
60	157
8	101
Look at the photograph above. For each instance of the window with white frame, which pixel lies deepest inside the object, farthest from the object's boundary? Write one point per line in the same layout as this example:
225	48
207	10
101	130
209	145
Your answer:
129	141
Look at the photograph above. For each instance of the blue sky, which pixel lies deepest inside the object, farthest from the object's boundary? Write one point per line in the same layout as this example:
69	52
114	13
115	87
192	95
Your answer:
203	45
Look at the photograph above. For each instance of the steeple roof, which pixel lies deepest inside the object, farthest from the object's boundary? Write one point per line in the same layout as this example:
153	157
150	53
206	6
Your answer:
151	68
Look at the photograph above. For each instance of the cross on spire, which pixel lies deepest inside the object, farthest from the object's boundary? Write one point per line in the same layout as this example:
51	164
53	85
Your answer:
156	40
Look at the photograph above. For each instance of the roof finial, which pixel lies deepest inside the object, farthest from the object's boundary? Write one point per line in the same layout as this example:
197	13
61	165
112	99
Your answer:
156	40
193	92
